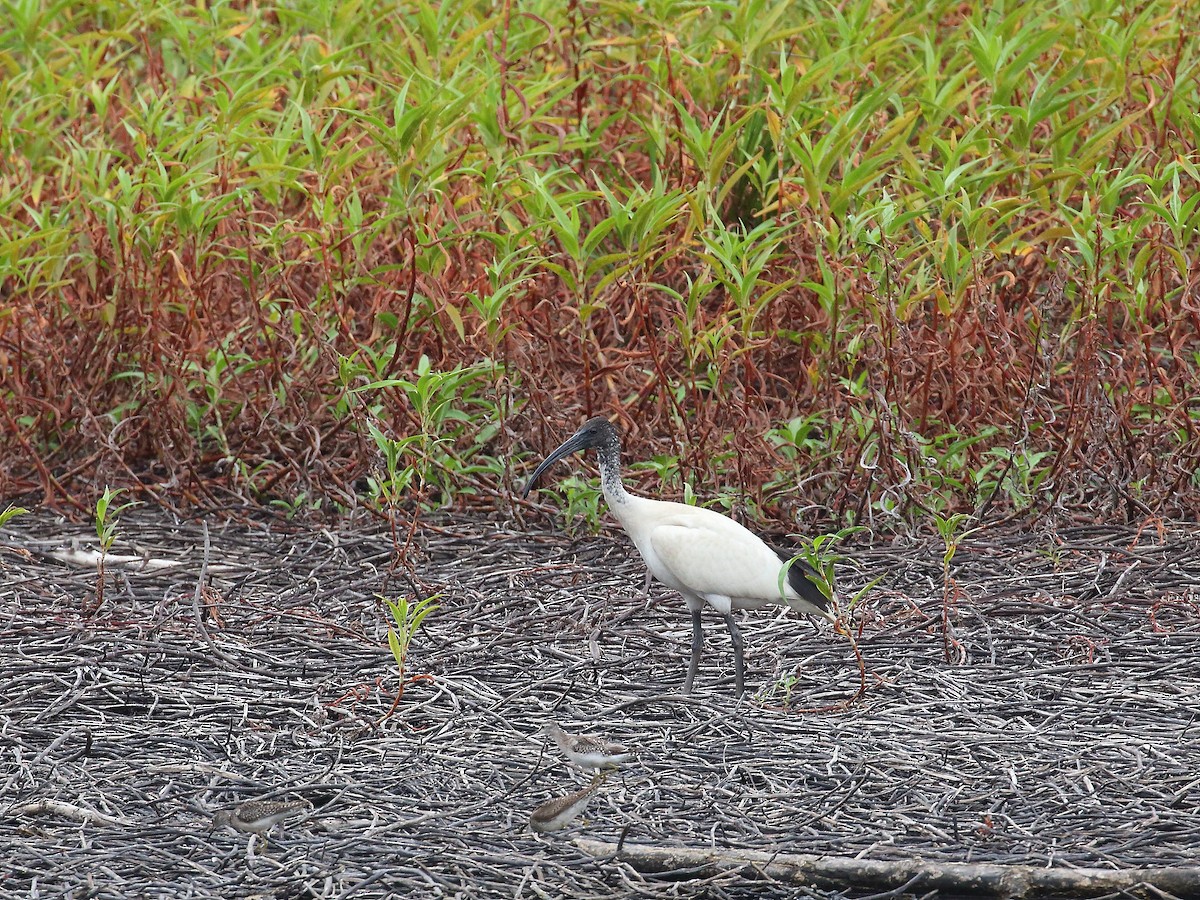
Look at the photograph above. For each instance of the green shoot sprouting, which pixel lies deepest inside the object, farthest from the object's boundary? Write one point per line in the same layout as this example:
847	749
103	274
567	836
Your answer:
407	618
106	530
821	561
10	513
106	517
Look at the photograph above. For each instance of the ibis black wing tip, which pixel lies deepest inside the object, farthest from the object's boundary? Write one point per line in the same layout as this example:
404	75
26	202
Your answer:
805	581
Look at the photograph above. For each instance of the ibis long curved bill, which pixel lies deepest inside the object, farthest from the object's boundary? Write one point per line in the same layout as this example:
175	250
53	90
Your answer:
706	556
576	442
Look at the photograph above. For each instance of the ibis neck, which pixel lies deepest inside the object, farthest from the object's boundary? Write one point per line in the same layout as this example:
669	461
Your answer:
610	476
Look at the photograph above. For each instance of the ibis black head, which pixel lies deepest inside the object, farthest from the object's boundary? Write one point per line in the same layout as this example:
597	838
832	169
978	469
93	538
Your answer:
596	433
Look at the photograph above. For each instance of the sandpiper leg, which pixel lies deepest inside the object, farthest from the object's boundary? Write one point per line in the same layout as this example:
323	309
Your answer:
739	664
697	648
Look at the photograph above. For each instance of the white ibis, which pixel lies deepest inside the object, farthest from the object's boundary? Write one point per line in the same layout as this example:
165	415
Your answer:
586	750
706	556
562	811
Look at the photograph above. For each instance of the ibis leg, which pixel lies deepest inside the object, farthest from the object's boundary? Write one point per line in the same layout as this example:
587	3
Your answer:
739	664
697	647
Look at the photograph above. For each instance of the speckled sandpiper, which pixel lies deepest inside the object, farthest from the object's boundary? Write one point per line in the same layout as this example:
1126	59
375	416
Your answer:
258	816
560	812
588	751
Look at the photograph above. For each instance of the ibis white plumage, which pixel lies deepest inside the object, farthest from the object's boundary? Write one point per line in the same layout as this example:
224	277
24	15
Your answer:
706	556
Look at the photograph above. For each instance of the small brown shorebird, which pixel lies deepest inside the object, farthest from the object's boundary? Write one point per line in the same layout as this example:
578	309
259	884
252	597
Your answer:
588	751
560	812
258	816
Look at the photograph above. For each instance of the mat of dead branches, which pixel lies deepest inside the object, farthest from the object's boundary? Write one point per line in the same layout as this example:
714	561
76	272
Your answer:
1033	704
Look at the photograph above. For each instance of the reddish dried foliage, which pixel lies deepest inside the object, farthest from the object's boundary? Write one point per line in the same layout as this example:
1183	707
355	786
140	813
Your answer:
1113	398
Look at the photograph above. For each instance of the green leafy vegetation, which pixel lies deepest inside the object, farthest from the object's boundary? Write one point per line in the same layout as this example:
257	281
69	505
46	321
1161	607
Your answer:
11	512
406	620
106	518
850	265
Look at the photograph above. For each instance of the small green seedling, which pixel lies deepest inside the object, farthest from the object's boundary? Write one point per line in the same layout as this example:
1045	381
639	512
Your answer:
106	531
782	688
948	530
408	619
10	513
821	561
106	517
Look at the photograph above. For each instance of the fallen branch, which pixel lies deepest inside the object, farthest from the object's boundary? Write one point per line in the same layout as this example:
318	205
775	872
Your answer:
67	811
976	879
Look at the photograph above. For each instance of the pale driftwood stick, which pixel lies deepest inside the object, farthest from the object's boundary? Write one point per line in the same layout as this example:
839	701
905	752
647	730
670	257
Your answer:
977	879
67	811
